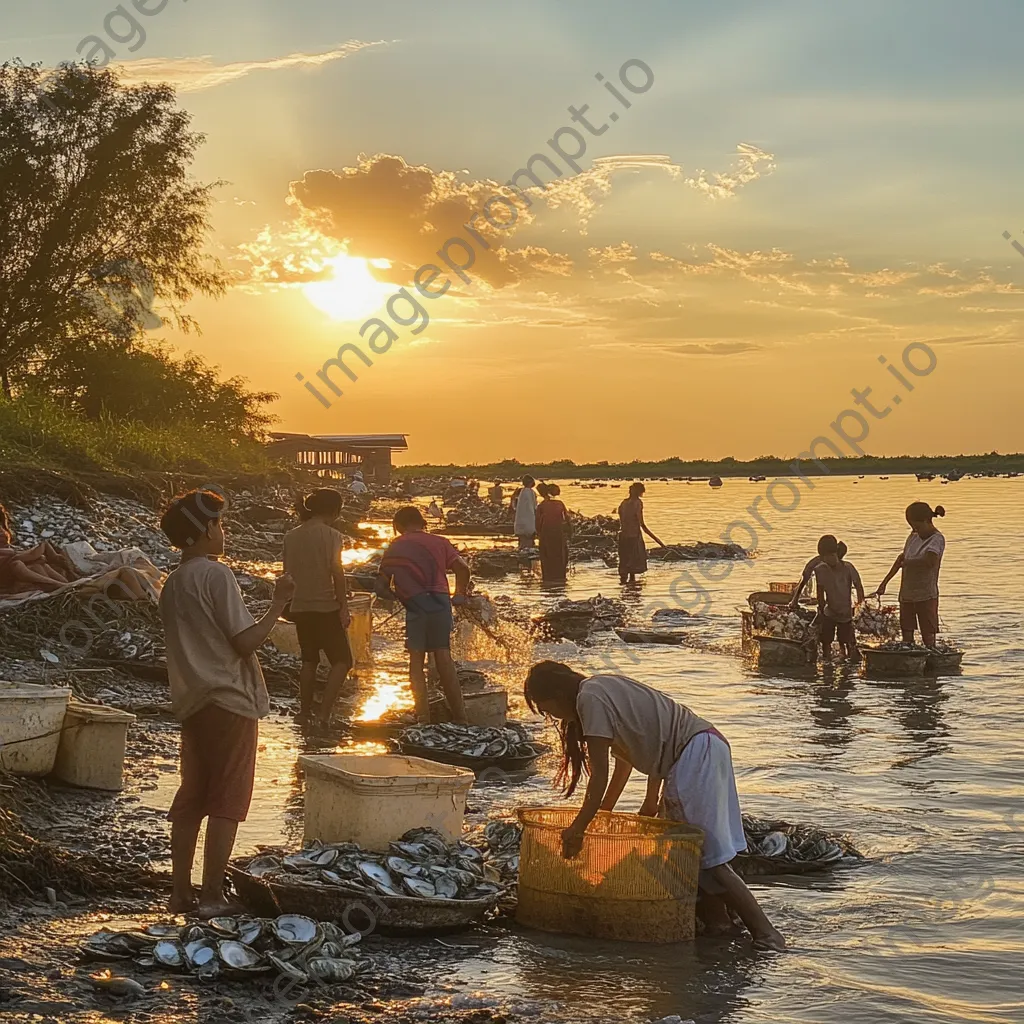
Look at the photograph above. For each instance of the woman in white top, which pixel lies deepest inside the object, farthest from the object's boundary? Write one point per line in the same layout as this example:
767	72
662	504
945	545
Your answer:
526	514
919	561
647	730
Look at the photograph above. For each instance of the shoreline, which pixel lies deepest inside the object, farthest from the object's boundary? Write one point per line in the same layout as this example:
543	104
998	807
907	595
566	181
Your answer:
698	470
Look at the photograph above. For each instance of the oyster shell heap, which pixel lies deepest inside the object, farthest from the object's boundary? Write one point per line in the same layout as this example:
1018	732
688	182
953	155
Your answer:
296	947
576	620
422	864
793	843
876	620
471	741
779	620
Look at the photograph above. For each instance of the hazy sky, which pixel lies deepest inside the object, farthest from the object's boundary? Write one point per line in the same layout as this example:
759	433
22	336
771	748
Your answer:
806	186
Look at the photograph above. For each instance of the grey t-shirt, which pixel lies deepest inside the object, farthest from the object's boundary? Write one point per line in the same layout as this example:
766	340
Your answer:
919	582
647	727
202	609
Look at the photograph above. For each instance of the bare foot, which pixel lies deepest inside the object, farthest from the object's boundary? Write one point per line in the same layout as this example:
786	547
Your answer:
184	904
220	908
770	940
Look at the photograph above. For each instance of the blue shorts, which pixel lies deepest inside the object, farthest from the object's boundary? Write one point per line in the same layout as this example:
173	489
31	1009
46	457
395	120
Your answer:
428	623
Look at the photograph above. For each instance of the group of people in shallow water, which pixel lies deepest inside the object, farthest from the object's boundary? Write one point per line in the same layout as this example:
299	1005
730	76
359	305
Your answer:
547	525
836	579
609	724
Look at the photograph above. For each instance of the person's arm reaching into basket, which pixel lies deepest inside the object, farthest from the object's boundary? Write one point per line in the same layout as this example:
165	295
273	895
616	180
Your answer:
623	770
598	751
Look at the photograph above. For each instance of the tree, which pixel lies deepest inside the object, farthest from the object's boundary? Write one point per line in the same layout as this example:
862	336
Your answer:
97	208
146	384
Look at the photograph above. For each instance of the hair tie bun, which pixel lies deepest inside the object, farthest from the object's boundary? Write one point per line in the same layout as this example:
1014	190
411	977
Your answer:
939	511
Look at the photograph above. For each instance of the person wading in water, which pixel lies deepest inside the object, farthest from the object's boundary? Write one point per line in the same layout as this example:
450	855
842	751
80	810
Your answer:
415	570
632	546
553	527
319	609
919	561
647	730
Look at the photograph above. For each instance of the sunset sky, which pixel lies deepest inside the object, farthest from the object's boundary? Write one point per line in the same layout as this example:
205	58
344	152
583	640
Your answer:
806	186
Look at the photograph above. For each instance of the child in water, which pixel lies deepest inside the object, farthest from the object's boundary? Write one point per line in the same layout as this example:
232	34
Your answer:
835	579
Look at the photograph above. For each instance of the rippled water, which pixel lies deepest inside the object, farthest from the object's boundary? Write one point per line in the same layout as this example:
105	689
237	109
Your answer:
924	775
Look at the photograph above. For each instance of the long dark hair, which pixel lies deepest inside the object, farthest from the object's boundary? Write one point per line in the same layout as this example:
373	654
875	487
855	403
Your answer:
549	680
325	502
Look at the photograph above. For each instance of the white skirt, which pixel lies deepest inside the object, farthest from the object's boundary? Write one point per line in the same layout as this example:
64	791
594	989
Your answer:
701	790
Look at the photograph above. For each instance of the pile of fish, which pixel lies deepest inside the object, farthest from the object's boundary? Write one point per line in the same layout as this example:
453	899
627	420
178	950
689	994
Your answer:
795	843
576	620
289	946
422	864
877	620
702	550
471	740
781	620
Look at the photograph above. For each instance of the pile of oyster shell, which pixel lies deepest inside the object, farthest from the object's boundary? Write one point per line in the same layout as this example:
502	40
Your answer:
576	620
780	620
785	841
877	620
422	864
471	740
291	946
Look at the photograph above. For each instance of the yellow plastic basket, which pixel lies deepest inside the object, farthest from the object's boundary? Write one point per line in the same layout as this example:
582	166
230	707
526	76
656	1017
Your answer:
635	879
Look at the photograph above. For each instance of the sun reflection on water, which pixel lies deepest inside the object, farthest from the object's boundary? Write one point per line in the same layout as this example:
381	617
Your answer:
388	692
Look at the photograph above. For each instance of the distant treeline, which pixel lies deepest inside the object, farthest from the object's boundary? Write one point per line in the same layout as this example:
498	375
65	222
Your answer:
766	465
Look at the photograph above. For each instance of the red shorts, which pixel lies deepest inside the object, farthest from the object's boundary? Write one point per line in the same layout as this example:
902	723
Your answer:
925	613
830	629
218	765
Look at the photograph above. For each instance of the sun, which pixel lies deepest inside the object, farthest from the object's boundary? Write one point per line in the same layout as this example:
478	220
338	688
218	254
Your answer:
351	292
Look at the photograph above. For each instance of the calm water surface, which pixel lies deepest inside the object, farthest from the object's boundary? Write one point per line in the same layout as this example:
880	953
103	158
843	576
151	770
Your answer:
924	775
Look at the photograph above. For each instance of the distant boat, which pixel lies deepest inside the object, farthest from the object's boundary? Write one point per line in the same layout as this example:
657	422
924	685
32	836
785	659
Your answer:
952	476
925	476
883	478
757	479
715	481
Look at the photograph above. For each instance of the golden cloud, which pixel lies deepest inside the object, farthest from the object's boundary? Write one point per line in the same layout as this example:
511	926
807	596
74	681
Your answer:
191	74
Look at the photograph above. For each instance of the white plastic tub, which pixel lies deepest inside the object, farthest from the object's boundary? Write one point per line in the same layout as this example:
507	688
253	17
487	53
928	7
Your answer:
31	717
374	799
92	744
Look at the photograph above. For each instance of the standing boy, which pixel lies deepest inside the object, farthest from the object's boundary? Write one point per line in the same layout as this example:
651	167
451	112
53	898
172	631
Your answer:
217	693
835	578
415	570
